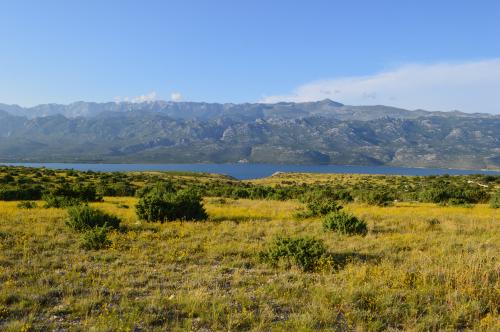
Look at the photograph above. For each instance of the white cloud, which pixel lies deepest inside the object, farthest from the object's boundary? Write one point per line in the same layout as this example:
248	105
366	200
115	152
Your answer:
139	99
175	96
142	98
467	86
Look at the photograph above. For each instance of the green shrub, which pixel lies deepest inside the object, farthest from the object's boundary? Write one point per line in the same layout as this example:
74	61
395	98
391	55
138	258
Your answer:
322	207
119	189
26	205
447	193
240	193
343	195
96	238
168	206
159	188
4	312
344	223
376	197
314	193
80	192
52	201
219	201
22	192
474	195
83	217
7	179
305	252
495	200
458	202
433	223
65	195
319	206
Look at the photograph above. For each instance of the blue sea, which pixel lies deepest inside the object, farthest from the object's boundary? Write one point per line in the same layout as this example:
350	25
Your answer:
254	171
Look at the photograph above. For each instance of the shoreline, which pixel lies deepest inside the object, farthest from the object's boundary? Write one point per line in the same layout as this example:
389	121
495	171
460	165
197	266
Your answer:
18	163
247	171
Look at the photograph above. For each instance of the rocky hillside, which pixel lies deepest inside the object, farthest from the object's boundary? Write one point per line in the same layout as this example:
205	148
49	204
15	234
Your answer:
323	132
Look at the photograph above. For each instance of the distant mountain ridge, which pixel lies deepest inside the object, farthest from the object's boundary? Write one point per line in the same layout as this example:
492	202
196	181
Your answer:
206	111
323	132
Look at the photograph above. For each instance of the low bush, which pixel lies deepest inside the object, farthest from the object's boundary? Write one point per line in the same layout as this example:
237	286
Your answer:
82	218
4	312
159	188
96	238
219	201
433	224
7	179
119	189
322	207
52	201
345	223
446	193
304	252
376	197
66	195
167	206
314	193
9	193
343	195
319	206
458	202
80	192
26	205
495	200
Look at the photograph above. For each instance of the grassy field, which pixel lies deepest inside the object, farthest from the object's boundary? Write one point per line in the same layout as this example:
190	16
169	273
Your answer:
406	274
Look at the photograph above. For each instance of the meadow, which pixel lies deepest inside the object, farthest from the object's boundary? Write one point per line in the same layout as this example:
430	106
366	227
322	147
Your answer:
421	266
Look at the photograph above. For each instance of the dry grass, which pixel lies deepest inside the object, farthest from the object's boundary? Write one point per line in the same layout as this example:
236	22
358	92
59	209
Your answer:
344	179
406	274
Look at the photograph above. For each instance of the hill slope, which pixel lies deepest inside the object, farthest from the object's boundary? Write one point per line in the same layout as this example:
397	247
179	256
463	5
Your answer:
322	132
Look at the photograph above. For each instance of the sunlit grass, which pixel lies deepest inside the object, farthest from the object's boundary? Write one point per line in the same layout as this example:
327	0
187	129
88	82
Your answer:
406	274
243	209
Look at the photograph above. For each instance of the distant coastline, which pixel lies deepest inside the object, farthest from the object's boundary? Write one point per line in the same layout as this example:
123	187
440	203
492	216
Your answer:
253	171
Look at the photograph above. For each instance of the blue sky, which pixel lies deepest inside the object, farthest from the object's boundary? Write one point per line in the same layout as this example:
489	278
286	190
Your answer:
358	52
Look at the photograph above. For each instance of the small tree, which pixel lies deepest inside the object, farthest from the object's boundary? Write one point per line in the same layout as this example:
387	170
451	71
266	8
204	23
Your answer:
344	223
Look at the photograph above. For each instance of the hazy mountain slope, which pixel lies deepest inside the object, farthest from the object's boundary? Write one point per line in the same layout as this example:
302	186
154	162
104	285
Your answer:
317	133
211	111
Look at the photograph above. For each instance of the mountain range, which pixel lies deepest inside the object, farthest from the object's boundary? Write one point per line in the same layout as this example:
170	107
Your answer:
322	132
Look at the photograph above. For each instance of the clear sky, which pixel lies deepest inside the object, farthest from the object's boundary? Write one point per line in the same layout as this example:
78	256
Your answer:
415	54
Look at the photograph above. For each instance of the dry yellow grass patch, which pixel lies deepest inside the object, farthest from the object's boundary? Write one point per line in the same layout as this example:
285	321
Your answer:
309	178
406	274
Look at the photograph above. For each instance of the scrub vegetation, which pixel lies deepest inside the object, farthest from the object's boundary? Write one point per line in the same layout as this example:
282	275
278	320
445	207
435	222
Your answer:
181	251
